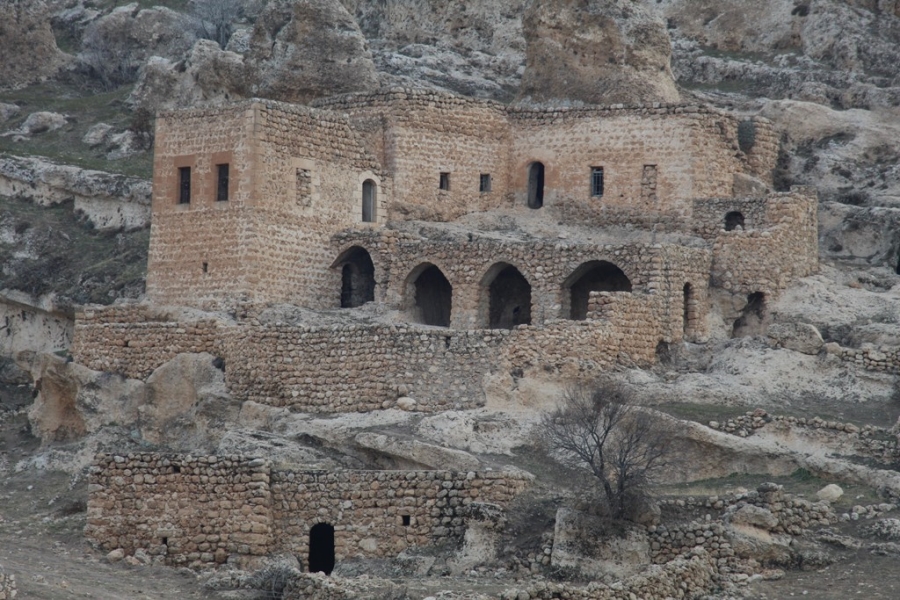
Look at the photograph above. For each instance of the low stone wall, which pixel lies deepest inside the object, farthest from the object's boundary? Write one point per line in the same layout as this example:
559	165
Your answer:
7	587
873	359
210	510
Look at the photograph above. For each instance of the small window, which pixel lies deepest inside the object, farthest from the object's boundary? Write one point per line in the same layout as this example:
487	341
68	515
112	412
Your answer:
485	183
445	181
184	185
596	181
205	267
406	520
222	183
369	191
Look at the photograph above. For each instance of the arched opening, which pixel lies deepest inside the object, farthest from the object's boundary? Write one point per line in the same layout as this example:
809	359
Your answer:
321	548
734	220
433	297
509	298
753	317
687	306
357	277
594	276
369	196
536	185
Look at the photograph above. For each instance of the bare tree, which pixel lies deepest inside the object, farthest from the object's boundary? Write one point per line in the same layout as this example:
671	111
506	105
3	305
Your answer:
598	426
217	18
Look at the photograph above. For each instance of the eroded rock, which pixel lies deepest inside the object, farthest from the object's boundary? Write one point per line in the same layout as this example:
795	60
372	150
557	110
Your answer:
27	44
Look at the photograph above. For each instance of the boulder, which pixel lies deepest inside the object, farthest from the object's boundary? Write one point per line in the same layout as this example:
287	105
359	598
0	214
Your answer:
752	516
304	49
97	135
800	337
597	547
8	111
754	543
28	51
406	403
596	51
187	404
830	493
39	122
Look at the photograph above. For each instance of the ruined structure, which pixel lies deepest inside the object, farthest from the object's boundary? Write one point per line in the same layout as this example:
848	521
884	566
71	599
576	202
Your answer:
492	239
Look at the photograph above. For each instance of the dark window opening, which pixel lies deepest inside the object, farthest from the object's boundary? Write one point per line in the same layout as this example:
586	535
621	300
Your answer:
734	220
184	185
406	520
433	298
688	300
595	276
206	267
357	278
369	196
753	317
484	185
222	183
509	301
165	541
663	353
536	185
176	468
596	181
321	549
445	181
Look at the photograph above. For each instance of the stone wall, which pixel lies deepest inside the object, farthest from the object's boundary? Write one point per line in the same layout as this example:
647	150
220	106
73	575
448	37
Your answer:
210	510
885	358
7	586
32	324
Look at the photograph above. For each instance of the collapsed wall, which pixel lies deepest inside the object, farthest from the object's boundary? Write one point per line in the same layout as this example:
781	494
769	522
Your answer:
207	510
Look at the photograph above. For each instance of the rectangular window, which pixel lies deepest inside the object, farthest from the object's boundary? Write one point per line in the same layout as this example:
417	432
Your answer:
596	181
222	183
184	185
445	181
485	183
406	520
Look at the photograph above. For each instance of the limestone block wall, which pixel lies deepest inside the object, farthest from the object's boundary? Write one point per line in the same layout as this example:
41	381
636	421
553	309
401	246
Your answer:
210	510
381	513
189	510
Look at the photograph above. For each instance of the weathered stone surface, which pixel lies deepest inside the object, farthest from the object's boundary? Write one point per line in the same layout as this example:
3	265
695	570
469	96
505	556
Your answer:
415	453
753	516
600	52
8	111
587	542
28	51
800	337
830	493
37	123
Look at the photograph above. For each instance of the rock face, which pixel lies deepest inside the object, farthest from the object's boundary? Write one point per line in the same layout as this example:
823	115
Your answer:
588	543
601	52
27	46
800	337
304	49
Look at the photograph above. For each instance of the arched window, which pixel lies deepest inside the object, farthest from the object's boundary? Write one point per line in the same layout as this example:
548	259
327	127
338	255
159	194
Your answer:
536	185
369	197
594	276
508	297
357	277
433	296
321	548
734	220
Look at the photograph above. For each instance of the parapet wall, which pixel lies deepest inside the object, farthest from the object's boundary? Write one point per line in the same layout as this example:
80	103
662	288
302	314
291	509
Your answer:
211	510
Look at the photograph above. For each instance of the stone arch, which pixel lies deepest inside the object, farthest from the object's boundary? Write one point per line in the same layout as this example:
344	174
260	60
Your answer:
369	201
734	220
593	276
505	297
753	319
357	277
429	295
321	548
536	185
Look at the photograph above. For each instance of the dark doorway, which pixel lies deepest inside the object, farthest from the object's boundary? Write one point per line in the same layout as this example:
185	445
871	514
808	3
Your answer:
434	297
357	278
509	299
734	220
753	317
369	196
688	300
594	276
536	185
321	548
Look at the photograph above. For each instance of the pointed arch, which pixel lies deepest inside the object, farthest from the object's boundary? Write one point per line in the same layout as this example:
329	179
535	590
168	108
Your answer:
357	277
431	295
592	276
505	297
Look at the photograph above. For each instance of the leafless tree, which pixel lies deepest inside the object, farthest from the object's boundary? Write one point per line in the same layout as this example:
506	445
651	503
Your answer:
216	18
598	426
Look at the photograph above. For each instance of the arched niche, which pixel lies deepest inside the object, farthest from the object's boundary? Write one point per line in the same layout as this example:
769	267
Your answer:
593	276
357	277
506	297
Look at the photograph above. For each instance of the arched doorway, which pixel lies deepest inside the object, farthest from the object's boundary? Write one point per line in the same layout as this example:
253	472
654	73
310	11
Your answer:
433	297
369	197
594	276
357	277
536	185
321	548
734	220
509	297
